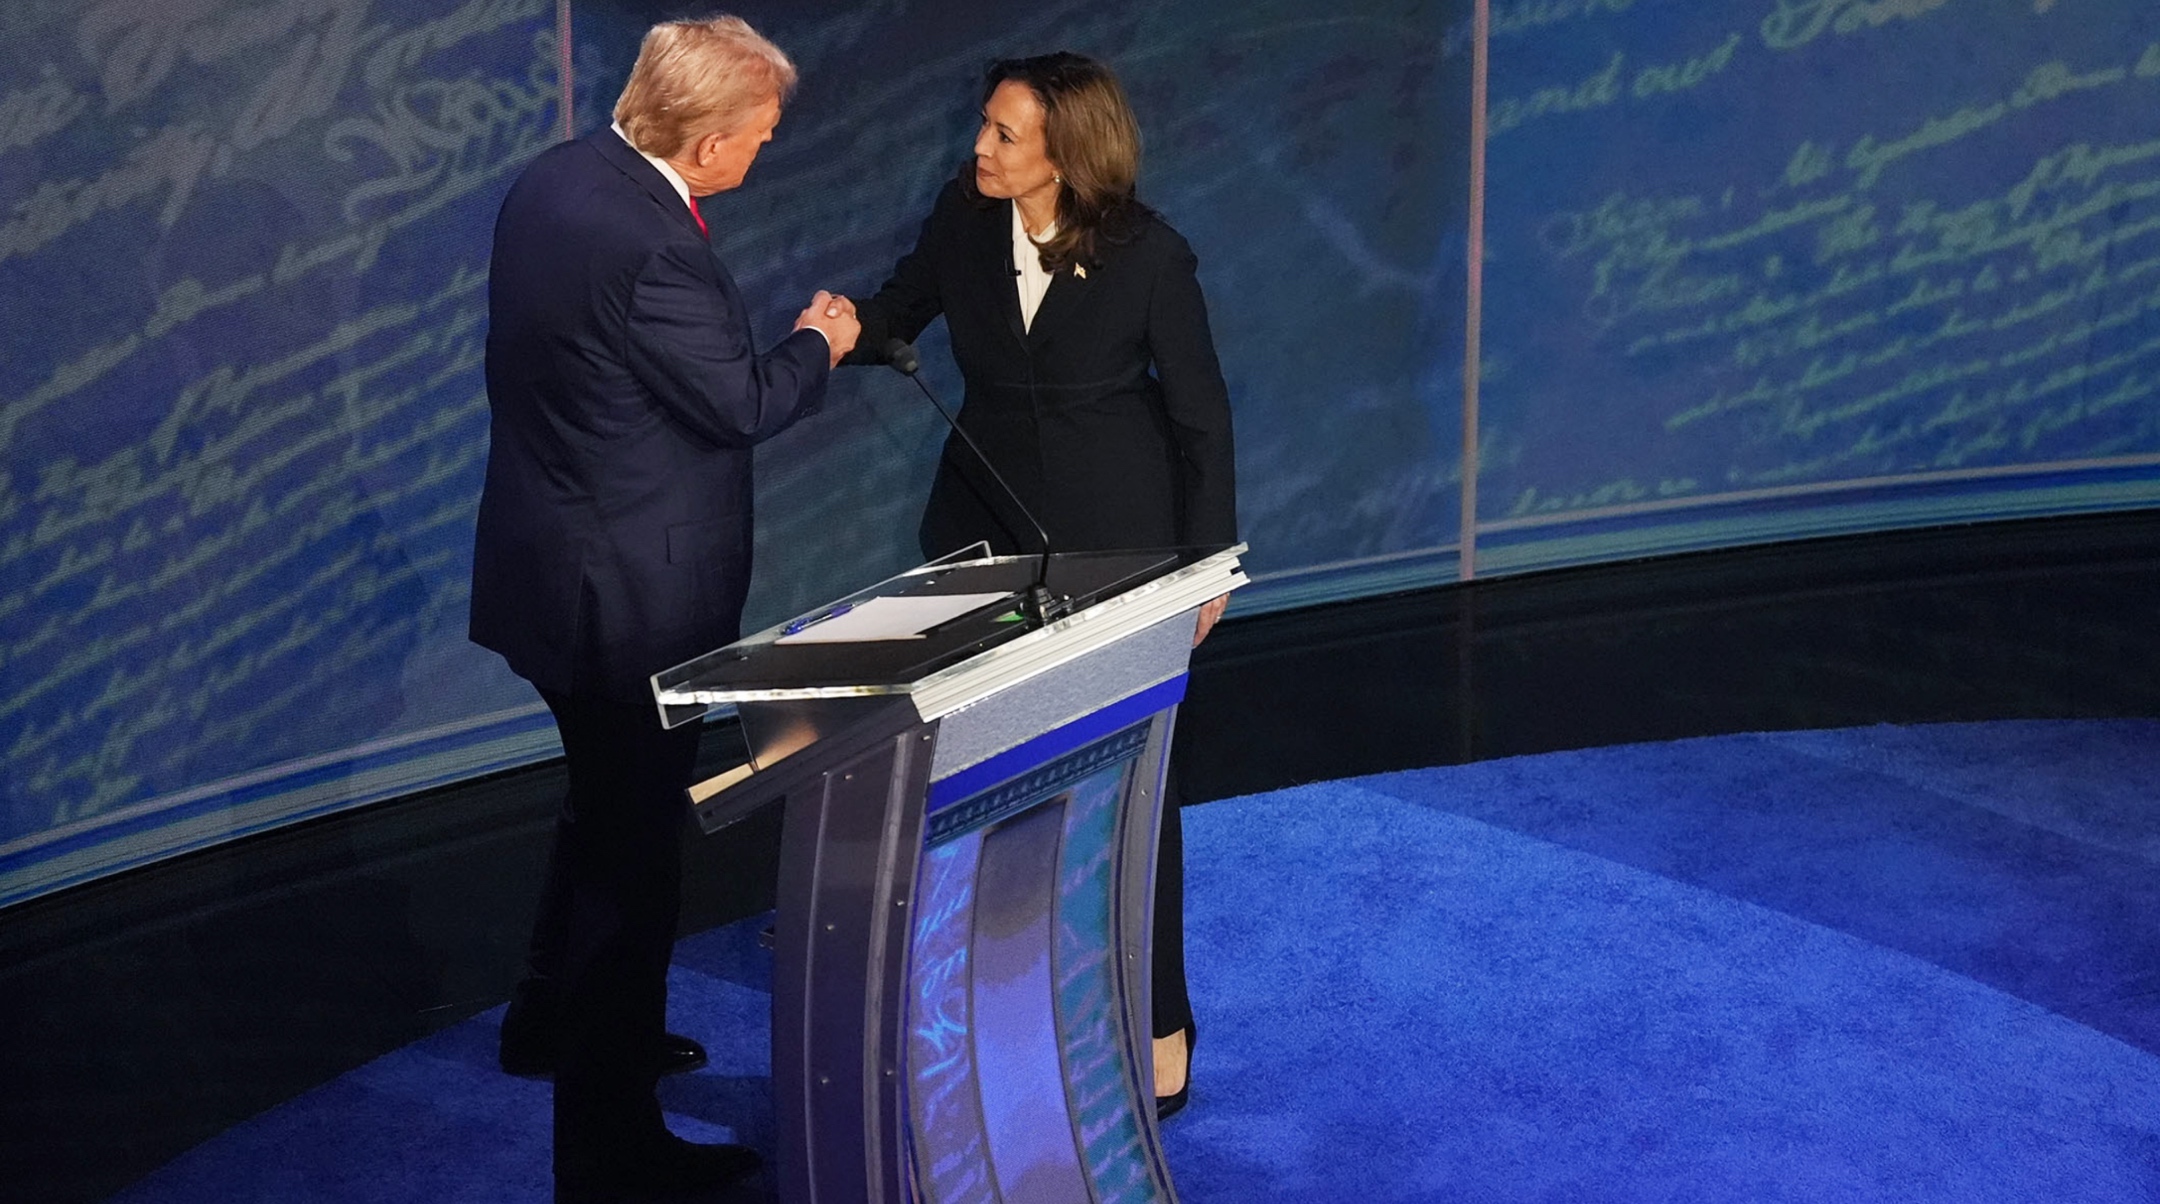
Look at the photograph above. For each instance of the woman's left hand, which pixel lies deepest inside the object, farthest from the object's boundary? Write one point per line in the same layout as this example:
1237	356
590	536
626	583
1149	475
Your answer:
1209	613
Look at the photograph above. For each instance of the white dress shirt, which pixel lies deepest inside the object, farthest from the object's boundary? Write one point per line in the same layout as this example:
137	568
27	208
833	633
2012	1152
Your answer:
682	189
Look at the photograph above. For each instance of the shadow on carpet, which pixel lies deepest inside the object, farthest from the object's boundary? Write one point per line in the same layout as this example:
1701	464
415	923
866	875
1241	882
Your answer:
1887	964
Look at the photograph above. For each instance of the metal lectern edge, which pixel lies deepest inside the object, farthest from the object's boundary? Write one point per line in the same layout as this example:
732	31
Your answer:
1136	917
842	939
1014	661
1080	636
879	720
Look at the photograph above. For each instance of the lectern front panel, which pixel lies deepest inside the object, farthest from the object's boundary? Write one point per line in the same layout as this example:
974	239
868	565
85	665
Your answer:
1026	1116
1021	1056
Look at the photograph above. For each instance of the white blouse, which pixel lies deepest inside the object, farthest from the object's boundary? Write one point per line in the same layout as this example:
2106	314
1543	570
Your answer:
1032	281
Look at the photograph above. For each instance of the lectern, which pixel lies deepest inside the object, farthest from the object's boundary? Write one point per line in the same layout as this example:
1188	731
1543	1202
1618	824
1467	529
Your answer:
971	798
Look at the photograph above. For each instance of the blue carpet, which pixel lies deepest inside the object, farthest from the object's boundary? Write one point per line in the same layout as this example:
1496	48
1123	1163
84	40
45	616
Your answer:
1888	964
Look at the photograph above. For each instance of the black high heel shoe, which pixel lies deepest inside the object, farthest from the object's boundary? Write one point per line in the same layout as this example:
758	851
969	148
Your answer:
1167	1106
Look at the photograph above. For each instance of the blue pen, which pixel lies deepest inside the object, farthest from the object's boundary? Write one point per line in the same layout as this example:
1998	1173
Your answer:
801	624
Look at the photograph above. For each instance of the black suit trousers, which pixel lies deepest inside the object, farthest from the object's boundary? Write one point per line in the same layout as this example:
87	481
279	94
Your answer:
606	927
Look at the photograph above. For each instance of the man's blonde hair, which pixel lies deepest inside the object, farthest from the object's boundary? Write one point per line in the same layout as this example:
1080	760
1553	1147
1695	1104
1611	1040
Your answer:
695	78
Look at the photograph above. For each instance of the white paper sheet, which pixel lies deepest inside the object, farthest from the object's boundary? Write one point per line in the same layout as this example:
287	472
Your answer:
889	619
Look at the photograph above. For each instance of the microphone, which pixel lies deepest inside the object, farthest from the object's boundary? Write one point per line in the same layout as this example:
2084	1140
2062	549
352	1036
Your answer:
903	359
1011	268
1038	603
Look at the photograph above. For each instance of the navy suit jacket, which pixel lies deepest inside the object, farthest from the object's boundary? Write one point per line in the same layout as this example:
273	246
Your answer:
624	396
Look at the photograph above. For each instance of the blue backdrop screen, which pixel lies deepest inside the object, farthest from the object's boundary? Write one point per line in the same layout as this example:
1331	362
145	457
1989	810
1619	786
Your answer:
1795	266
1752	270
243	263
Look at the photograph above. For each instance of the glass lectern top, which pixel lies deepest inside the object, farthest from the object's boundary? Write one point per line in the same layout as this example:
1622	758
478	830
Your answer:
763	662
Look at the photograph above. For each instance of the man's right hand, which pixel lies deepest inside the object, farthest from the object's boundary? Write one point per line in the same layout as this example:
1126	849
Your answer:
834	315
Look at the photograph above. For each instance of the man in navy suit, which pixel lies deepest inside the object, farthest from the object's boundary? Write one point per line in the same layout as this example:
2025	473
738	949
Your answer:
614	541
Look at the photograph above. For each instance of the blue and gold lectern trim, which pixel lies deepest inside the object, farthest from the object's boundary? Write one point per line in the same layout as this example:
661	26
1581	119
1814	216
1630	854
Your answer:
1048	750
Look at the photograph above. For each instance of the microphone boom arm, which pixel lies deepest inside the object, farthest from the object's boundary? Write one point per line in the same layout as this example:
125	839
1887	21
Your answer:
1037	602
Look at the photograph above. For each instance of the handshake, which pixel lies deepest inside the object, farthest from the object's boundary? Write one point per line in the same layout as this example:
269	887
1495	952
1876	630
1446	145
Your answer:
834	316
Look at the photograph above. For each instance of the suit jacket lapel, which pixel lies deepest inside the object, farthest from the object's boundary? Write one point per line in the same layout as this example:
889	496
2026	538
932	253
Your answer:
1063	294
626	160
995	256
1058	301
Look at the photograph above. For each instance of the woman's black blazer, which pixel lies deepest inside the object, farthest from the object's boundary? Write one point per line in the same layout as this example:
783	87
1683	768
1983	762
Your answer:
1108	416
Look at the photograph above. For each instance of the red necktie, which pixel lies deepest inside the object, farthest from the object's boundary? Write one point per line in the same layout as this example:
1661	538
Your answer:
700	220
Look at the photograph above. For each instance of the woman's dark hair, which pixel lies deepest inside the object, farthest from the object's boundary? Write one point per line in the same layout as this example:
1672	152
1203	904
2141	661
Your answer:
1090	135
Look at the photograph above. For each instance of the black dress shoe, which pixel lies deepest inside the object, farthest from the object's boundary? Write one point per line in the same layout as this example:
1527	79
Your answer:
667	1169
1167	1106
529	1053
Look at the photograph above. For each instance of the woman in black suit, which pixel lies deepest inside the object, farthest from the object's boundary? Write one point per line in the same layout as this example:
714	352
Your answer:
1077	322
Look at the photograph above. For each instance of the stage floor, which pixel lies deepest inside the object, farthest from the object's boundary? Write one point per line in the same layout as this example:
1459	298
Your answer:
150	1012
1898	964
